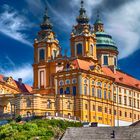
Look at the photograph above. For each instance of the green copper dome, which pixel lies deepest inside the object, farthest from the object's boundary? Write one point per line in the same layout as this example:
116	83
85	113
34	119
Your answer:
105	41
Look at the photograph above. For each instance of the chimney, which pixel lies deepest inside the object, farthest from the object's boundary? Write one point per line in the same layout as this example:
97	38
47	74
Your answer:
20	81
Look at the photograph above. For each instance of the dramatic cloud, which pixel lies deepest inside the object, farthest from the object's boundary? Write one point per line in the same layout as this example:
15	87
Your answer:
24	71
13	25
123	24
9	68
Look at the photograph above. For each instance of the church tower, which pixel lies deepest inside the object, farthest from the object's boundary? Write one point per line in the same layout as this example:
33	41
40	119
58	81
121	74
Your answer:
46	50
107	51
83	41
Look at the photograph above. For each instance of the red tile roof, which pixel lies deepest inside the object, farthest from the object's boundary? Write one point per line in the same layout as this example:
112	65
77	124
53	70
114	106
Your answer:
22	87
82	64
122	78
119	76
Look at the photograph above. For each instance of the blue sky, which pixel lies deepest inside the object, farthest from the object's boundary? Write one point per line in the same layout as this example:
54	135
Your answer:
19	24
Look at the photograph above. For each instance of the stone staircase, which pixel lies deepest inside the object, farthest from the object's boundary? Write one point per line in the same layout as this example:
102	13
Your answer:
102	133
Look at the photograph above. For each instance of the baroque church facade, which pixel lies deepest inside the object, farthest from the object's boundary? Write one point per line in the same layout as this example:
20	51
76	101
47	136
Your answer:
87	85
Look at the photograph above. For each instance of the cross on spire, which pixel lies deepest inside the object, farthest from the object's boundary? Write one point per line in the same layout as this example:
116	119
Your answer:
82	3
46	24
82	18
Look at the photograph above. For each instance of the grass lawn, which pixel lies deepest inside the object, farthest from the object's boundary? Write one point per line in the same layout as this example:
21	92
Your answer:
37	129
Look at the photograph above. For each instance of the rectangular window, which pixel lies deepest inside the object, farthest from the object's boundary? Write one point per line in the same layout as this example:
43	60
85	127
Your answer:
115	61
42	78
110	111
93	91
74	90
125	100
109	95
125	114
115	112
93	107
99	93
105	96
86	106
138	105
130	101
105	109
105	60
120	99
134	102
99	109
85	90
115	98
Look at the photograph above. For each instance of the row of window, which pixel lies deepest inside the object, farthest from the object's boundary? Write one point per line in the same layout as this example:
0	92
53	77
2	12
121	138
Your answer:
66	82
100	93
106	110
106	61
105	85
79	49
42	54
125	91
67	90
134	102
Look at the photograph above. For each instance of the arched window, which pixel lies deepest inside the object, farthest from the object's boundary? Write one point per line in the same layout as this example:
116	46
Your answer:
85	90
93	91
54	53
42	54
91	50
105	94
61	90
28	102
99	93
79	49
67	90
48	104
74	90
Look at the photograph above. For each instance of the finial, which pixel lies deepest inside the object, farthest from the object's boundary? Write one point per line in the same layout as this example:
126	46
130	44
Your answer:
98	19
82	3
98	14
82	18
46	21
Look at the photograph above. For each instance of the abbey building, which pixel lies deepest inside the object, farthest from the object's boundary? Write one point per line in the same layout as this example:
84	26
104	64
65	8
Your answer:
87	85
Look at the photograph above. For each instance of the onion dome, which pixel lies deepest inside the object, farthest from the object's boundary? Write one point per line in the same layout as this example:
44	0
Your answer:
46	24
82	18
105	41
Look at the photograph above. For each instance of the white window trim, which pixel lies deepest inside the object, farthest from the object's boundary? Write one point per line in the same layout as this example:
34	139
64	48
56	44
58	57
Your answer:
103	59
39	84
44	52
76	48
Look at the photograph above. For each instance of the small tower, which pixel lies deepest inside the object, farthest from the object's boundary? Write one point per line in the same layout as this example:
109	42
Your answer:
46	50
98	25
107	50
83	42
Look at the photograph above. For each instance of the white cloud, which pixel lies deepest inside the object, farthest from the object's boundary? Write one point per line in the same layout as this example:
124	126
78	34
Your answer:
124	25
12	25
25	72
